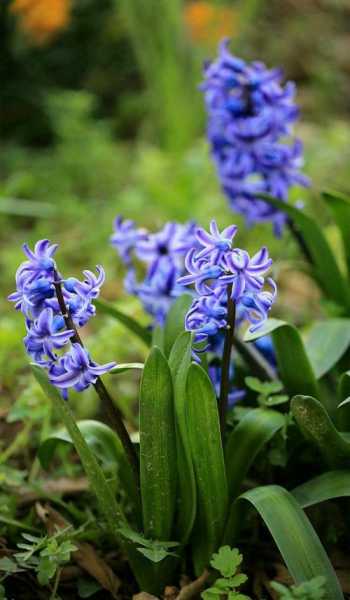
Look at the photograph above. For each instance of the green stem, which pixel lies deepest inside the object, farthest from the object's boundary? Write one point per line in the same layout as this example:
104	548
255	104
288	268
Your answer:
226	360
113	414
56	584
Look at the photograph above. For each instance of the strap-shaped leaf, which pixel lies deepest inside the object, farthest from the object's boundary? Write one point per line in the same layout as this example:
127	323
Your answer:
208	460
100	438
246	440
294	536
105	445
175	321
325	266
342	416
128	322
107	502
179	362
334	484
326	343
340	209
316	426
294	366
158	468
123	367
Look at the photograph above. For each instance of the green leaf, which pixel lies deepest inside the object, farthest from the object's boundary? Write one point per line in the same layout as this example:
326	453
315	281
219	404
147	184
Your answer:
309	590
294	366
326	343
333	484
158	466
9	566
208	460
325	267
340	208
226	561
126	320
294	536
138	538
122	367
316	426
106	500
107	503
276	400
87	587
158	337
102	440
263	387
175	321
344	386
155	554
179	362
245	442
342	416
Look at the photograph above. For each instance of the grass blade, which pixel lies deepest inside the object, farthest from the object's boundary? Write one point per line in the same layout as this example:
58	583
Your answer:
246	440
208	460
158	466
294	536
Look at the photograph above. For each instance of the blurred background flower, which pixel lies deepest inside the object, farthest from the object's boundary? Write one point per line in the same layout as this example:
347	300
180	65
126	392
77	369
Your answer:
208	23
42	19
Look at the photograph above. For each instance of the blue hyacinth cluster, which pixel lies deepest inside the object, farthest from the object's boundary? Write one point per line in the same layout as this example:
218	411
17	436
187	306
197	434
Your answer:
36	298
162	255
217	269
250	125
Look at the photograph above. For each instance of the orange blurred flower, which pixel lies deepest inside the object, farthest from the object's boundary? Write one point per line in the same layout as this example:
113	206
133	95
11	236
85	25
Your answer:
210	23
42	19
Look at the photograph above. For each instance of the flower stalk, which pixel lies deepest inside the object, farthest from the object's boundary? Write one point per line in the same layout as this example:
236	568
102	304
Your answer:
112	413
226	359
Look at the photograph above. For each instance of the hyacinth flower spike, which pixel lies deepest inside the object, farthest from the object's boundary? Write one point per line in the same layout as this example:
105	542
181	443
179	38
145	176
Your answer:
54	307
225	281
251	115
162	256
